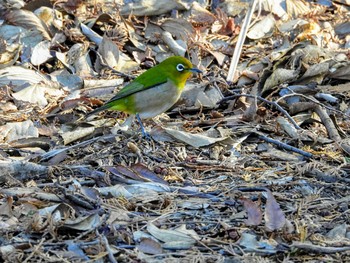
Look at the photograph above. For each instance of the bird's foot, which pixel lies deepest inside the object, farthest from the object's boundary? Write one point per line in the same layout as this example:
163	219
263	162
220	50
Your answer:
145	134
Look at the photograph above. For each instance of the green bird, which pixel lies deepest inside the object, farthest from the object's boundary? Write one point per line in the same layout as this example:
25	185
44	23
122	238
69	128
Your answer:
154	91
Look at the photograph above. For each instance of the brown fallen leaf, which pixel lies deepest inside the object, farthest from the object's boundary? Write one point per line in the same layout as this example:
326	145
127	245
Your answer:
253	212
274	216
147	174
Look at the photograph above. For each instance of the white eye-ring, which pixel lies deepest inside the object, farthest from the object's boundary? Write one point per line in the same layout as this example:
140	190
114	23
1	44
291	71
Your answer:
180	67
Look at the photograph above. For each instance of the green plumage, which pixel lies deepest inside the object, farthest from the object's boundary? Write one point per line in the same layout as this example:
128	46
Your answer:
154	91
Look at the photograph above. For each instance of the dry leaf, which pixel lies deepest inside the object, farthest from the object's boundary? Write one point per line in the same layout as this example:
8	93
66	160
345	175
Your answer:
150	246
17	130
274	216
195	140
6	207
19	76
167	235
83	223
151	7
263	29
109	52
28	20
37	94
41	53
253	211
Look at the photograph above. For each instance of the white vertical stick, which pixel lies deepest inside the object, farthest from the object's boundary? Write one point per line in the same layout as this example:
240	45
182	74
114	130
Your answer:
240	41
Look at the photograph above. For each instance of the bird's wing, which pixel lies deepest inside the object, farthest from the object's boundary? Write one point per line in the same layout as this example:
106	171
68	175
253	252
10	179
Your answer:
152	79
143	82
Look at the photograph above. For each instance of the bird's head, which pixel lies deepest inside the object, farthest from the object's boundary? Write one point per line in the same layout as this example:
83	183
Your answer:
178	69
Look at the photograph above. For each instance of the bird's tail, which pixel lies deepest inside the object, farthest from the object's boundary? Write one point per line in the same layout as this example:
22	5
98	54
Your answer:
102	108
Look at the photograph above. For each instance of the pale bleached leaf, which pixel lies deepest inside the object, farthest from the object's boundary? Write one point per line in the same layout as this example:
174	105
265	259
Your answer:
92	35
116	191
263	29
151	7
78	133
150	246
195	140
28	191
28	20
37	93
147	187
109	52
17	130
83	223
41	53
168	235
6	207
19	76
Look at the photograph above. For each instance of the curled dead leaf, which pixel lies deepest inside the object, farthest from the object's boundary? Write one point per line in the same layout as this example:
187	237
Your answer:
28	20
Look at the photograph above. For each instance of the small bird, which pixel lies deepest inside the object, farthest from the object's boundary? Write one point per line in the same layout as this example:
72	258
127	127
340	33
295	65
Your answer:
154	91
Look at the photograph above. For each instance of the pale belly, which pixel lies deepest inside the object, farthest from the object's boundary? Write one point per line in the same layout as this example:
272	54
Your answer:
157	100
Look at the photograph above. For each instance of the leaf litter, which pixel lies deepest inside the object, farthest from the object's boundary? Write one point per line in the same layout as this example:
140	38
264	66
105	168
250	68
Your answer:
251	164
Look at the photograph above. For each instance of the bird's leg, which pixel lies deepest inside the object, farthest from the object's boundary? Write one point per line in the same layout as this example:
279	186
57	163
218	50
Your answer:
127	123
143	130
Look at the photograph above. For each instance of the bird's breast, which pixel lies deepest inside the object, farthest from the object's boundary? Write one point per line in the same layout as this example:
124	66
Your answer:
156	100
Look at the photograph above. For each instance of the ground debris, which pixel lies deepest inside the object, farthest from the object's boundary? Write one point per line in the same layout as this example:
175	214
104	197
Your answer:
248	168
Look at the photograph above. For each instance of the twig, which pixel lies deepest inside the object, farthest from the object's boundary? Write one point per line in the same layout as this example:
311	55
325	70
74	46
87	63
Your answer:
273	103
285	146
331	203
79	200
319	249
78	238
240	42
36	248
328	123
109	250
85	182
325	119
313	100
54	152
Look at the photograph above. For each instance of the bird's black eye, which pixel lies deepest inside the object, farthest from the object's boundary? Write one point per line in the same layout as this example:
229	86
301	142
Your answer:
180	67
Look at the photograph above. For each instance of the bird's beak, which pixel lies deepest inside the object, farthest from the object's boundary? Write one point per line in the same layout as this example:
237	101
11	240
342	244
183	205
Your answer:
195	70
